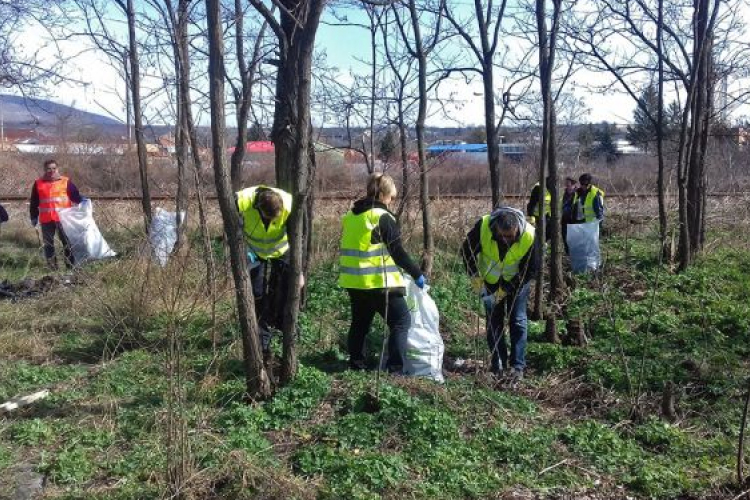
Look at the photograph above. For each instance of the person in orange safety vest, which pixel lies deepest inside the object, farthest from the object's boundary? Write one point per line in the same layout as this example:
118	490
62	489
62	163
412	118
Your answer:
50	193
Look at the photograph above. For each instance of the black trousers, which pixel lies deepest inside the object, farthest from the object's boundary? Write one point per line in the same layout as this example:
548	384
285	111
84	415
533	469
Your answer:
48	238
269	283
365	304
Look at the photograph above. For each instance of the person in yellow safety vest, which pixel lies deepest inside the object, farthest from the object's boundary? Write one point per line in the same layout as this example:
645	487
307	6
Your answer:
49	194
571	185
587	203
370	261
533	208
500	254
264	211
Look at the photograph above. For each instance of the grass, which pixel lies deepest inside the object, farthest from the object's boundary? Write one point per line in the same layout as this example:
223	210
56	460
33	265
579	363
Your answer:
108	429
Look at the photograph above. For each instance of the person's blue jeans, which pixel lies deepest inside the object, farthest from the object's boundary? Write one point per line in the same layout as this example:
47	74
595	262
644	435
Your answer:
515	305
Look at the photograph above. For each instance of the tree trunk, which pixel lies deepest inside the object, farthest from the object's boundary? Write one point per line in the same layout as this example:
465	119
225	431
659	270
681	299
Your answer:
292	140
258	383
428	242
404	158
493	141
135	90
556	278
545	74
666	249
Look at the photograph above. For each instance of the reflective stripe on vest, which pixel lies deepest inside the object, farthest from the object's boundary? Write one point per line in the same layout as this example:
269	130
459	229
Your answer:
491	267
547	203
53	196
586	213
269	243
365	265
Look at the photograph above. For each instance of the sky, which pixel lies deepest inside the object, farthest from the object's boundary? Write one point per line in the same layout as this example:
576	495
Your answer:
99	88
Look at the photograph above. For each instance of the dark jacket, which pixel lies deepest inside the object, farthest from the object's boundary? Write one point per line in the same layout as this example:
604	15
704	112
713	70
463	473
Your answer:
73	194
526	271
532	205
389	233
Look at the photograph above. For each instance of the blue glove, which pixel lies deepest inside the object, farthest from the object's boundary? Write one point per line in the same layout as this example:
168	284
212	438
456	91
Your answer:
251	257
34	221
421	282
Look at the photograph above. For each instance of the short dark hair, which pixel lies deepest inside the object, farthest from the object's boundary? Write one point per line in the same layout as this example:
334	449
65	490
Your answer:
269	203
505	221
50	162
585	179
570	179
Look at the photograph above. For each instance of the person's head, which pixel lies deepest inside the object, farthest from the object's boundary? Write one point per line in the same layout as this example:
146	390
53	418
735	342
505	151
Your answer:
549	183
381	187
585	181
50	169
570	183
505	226
269	204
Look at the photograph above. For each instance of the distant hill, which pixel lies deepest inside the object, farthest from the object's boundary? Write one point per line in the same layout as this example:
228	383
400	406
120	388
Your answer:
48	117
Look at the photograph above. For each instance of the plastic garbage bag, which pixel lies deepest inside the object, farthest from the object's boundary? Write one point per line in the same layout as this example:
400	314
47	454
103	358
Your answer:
424	345
86	241
162	234
583	243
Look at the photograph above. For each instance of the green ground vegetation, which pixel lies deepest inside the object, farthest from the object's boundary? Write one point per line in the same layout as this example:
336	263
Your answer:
148	391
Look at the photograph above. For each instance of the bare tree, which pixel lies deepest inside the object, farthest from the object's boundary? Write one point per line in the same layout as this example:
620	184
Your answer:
489	18
128	9
295	32
419	48
258	383
20	70
248	69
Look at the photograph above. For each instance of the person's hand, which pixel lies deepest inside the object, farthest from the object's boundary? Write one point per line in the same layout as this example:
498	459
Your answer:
421	282
531	220
252	258
500	294
34	221
477	284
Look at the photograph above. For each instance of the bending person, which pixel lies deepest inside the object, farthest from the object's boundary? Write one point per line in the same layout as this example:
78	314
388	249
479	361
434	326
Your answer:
499	253
265	211
370	257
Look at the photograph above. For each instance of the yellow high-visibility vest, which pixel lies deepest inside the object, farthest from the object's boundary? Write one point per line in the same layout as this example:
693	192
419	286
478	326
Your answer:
587	213
547	203
491	267
269	243
362	264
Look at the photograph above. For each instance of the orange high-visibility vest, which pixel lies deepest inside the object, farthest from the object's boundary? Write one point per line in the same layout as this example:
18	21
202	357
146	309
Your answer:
53	195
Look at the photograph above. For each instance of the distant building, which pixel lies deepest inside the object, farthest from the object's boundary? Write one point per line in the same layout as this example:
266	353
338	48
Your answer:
514	152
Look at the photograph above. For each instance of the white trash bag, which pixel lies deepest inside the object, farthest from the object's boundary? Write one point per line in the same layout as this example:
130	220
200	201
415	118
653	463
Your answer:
583	243
86	241
162	235
424	345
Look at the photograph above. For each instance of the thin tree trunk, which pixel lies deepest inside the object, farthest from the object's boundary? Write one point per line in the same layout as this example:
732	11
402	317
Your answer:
660	181
428	242
135	89
545	73
258	383
493	141
404	158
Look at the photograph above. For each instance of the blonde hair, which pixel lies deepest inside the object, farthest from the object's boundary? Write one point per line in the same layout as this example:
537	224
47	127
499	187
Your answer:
380	185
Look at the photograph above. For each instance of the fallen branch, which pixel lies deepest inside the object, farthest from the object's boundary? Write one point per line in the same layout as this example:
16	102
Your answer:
558	464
